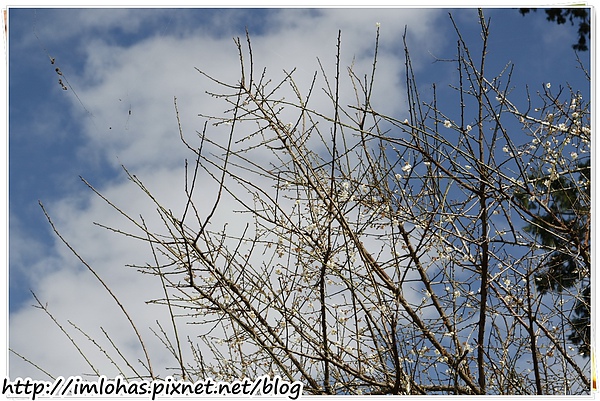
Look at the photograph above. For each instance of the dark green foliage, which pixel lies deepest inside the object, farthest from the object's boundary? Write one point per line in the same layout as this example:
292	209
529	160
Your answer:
564	227
581	323
561	15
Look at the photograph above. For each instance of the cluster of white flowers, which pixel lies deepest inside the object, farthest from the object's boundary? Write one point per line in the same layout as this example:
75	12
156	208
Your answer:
344	194
575	102
552	173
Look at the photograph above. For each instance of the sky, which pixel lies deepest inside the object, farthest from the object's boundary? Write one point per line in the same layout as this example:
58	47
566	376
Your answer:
122	68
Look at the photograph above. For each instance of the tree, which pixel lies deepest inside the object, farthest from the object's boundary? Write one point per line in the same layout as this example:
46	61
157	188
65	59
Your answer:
381	254
560	16
562	223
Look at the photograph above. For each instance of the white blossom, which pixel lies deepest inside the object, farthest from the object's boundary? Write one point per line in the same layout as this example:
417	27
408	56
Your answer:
573	104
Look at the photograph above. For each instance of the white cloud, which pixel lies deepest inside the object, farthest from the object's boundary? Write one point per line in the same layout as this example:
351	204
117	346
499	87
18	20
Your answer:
143	78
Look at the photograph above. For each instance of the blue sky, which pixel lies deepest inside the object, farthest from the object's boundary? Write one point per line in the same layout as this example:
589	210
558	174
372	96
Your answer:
122	68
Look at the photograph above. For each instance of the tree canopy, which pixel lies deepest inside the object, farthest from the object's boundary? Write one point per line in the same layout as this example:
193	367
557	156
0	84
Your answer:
443	250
